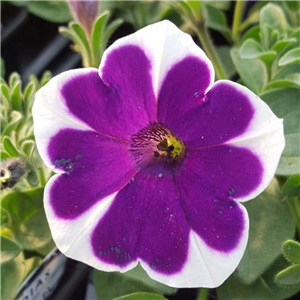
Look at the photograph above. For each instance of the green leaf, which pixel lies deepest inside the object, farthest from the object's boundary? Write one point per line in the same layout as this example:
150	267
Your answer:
9	249
252	71
289	276
111	28
232	288
2	68
226	61
282	44
30	226
28	146
28	91
291	57
291	188
5	92
139	274
12	274
31	264
82	42
252	33
141	296
215	19
13	80
291	249
47	75
16	97
280	84
114	284
293	6
273	16
32	178
267	214
4	219
98	34
10	147
285	104
14	120
53	11
223	5
278	291
250	49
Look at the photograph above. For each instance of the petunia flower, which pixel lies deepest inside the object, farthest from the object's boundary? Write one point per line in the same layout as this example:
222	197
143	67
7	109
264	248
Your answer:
153	159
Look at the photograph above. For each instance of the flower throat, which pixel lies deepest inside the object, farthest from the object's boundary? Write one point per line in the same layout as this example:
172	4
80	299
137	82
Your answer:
156	143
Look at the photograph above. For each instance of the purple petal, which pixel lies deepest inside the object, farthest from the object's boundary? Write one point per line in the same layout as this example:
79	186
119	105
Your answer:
208	181
94	166
183	90
224	113
145	221
117	109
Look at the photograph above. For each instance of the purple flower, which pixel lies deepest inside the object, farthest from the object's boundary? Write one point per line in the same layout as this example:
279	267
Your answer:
85	12
153	159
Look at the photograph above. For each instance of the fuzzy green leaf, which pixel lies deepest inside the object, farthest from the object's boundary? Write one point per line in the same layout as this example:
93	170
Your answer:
114	284
291	188
9	147
289	276
291	57
250	49
278	291
9	249
98	35
12	274
233	288
285	104
273	16
53	11
252	71
29	225
291	248
215	19
267	213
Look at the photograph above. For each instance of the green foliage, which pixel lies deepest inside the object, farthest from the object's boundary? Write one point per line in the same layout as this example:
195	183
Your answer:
267	213
9	249
141	296
23	222
113	285
289	277
53	11
12	274
91	47
285	104
291	188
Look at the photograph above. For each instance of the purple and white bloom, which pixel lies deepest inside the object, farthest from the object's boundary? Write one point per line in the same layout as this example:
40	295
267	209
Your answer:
153	159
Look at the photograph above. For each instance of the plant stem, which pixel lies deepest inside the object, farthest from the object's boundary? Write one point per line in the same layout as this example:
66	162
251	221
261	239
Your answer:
237	18
295	205
203	294
209	48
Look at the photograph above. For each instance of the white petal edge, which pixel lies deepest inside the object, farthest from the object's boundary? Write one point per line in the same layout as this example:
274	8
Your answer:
50	114
165	45
205	267
264	137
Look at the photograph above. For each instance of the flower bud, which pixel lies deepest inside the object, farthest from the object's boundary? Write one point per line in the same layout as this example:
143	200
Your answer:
12	171
85	13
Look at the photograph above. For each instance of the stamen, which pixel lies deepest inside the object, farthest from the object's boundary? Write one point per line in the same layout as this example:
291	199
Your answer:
156	143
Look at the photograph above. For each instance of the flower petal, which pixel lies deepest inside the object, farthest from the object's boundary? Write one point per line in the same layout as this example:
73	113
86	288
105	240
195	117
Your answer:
183	90
219	224
165	46
224	113
228	171
93	167
146	222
